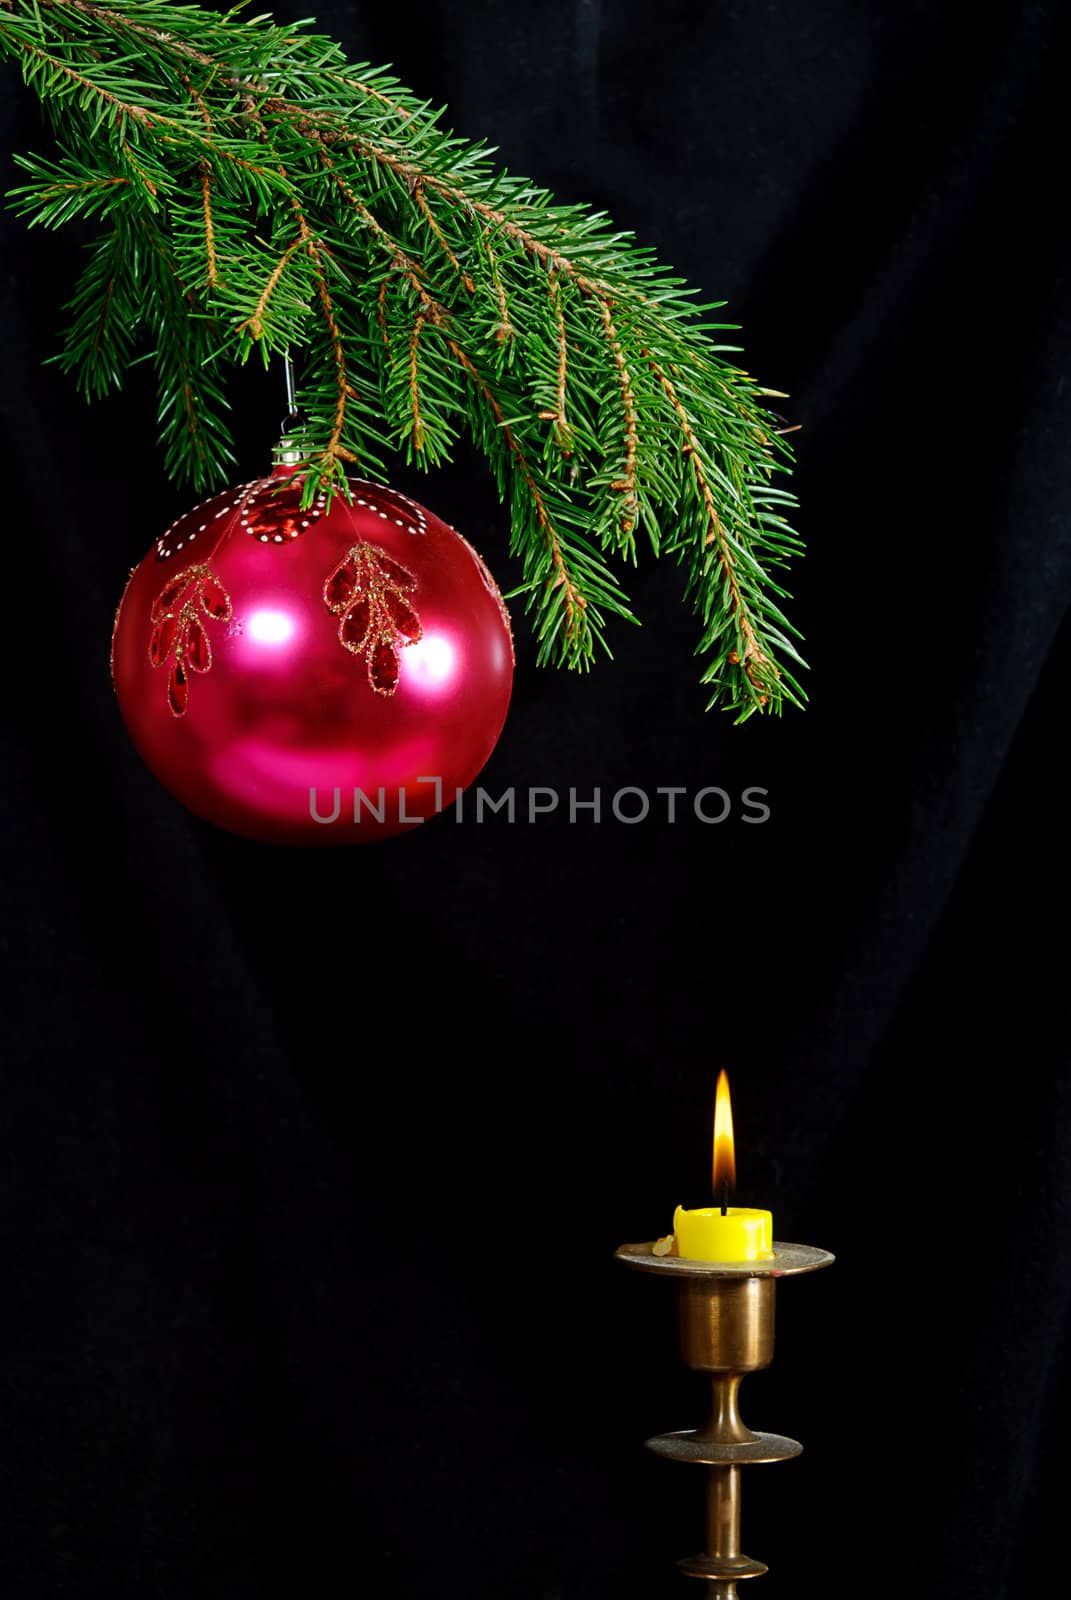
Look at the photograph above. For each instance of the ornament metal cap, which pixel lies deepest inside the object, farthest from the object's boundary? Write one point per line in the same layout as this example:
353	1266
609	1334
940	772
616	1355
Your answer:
289	451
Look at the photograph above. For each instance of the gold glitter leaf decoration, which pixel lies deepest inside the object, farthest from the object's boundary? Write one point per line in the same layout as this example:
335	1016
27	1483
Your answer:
370	594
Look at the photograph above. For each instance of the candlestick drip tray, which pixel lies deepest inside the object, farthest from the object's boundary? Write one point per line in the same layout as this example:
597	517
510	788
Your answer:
689	1444
786	1261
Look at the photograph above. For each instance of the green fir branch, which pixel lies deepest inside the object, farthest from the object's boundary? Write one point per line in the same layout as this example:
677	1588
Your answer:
256	192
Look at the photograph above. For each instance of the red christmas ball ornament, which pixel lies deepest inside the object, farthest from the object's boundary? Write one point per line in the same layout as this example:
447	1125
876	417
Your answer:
317	676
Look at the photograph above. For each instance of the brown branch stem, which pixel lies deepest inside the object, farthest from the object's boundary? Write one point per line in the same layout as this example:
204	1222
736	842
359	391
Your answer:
563	432
206	186
444	244
626	484
190	52
575	603
414	380
254	324
757	665
505	329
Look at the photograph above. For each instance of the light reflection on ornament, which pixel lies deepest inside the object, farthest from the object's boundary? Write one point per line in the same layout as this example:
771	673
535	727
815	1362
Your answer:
270	627
430	661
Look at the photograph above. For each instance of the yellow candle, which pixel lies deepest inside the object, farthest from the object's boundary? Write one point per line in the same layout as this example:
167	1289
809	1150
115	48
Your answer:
740	1235
735	1233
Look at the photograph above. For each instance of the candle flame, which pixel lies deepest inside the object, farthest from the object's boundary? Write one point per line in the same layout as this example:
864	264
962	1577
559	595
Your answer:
724	1148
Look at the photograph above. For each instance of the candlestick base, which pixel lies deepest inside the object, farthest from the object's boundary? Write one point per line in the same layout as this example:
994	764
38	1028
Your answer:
725	1313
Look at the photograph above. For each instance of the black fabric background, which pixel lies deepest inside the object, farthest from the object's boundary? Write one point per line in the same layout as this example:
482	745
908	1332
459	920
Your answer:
313	1164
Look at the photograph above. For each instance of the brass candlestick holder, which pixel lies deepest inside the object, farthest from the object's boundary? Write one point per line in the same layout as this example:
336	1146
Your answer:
726	1316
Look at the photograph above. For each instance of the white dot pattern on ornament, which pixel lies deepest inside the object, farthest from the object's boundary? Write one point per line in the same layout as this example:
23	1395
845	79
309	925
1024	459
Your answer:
418	525
420	521
317	511
164	550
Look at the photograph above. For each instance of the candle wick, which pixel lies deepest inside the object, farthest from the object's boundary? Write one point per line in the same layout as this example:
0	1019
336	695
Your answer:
725	1197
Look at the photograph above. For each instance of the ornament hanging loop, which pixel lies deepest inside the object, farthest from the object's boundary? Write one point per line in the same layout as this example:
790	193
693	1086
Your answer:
293	415
290	449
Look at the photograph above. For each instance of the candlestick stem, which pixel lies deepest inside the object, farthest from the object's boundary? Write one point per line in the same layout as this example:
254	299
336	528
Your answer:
723	1513
726	1426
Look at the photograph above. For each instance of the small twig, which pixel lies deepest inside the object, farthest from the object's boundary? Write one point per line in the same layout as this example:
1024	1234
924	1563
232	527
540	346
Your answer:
80	184
206	186
414	380
757	665
122	107
128	155
343	387
191	53
194	426
381	310
210	231
316	250
373	94
254	325
147	119
433	224
626	484
505	329
562	431
575	603
400	257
